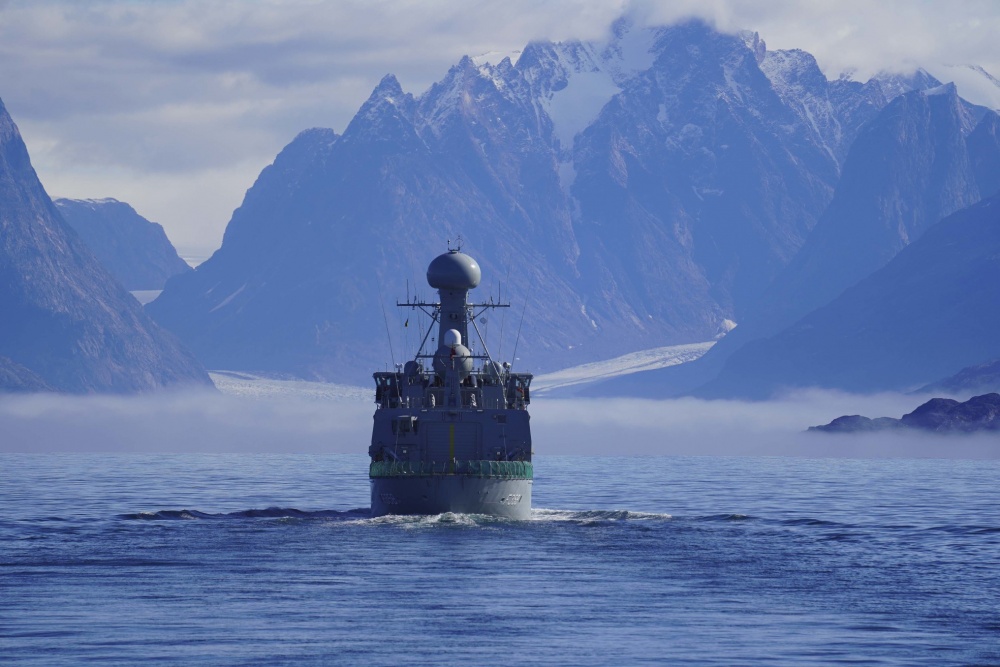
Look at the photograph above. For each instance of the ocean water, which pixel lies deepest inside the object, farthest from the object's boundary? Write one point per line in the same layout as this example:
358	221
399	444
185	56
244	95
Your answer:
273	560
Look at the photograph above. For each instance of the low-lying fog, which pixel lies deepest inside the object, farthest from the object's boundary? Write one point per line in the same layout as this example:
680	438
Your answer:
300	418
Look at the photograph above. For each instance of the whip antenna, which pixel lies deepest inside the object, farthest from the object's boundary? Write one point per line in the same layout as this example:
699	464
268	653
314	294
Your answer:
385	317
513	357
503	318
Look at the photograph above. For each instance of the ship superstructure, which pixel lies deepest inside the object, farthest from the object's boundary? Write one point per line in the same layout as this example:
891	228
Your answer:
451	429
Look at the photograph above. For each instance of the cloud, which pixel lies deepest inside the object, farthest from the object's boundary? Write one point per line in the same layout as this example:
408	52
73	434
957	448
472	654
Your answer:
144	100
312	422
855	35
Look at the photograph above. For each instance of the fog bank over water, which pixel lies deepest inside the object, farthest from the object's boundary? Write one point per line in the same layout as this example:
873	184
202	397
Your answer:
693	427
178	422
317	422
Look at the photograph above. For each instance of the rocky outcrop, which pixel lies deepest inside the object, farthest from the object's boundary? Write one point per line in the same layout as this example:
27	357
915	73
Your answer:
857	423
938	415
136	251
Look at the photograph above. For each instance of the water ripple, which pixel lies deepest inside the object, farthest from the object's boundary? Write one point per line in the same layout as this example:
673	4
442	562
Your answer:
268	513
276	560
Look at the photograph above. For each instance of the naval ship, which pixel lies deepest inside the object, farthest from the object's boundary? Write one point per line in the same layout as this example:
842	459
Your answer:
451	431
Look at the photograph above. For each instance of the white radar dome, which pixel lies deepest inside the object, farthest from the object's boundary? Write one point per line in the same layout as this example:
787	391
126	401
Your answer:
457	358
452	338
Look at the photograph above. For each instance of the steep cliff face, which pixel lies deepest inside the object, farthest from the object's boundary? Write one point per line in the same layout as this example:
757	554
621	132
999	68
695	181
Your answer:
64	317
136	251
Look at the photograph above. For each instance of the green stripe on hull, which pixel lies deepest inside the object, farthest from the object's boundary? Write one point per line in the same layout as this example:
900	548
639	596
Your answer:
487	469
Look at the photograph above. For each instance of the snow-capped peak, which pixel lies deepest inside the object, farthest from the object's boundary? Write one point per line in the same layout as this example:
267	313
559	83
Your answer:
387	89
495	57
574	80
974	83
630	50
943	89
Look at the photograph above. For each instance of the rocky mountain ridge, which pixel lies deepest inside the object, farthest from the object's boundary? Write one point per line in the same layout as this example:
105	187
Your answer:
136	251
638	193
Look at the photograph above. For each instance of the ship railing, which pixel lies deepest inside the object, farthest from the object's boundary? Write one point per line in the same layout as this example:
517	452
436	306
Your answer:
486	468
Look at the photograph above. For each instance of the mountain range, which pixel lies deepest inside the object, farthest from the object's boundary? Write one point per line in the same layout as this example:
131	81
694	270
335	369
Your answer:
67	324
666	186
653	189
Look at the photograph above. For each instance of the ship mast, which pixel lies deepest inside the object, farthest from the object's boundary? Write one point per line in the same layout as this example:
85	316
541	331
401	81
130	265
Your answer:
453	274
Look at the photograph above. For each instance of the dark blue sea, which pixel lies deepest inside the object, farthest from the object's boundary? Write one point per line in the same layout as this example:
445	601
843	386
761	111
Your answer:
273	560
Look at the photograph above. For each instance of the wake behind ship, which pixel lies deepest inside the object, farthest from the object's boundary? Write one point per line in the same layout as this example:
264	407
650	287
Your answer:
451	431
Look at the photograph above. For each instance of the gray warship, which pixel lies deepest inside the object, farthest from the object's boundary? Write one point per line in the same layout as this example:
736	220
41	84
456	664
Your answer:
451	429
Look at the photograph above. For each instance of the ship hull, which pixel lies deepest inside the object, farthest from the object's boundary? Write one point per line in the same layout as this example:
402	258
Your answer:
461	494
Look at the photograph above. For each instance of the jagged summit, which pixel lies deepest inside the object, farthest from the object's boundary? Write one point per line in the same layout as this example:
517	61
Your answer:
756	45
386	117
388	87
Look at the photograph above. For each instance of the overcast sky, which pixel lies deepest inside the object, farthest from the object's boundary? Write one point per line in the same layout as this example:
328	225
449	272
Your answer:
176	105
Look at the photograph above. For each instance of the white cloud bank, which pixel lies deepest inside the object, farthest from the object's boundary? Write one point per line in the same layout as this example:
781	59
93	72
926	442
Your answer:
319	422
176	105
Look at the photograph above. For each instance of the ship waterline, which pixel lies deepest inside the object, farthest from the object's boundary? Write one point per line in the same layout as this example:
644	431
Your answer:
457	493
